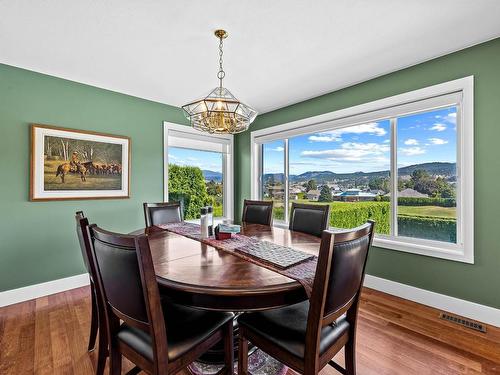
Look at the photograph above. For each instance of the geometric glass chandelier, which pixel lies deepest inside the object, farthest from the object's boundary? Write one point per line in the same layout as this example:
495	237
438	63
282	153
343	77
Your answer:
220	112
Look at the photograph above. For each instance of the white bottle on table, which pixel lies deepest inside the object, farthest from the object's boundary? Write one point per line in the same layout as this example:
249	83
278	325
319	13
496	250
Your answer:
204	222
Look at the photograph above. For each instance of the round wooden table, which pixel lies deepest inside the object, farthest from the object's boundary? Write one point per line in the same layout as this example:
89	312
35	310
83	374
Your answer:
198	275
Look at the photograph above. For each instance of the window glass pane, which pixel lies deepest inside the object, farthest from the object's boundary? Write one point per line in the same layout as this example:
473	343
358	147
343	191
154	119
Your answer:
273	176
427	176
346	168
195	177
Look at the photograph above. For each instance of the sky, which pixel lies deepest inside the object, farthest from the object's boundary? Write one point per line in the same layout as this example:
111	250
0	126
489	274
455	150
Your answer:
421	138
208	160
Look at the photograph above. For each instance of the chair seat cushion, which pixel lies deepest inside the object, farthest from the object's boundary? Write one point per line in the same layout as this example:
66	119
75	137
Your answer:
286	328
186	328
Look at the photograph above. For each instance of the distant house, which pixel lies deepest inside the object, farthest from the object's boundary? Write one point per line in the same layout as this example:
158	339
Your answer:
410	193
313	195
294	193
355	195
274	191
377	192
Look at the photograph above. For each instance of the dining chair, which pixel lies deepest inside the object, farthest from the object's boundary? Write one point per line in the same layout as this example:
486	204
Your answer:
162	213
157	336
307	335
97	313
257	212
309	218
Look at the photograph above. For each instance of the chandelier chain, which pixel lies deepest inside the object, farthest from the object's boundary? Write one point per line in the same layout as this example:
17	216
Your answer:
221	73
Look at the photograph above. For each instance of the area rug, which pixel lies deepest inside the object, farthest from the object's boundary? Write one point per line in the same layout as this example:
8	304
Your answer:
259	363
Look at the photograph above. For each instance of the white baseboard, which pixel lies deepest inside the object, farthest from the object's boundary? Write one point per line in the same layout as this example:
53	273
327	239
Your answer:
471	310
454	305
10	297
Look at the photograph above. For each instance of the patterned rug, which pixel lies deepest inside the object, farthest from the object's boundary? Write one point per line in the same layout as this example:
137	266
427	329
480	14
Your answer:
259	363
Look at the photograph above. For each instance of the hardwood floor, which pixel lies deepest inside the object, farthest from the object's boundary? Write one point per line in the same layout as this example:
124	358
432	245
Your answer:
49	336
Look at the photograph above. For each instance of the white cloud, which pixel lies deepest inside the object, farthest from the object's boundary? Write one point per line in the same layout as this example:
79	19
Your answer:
450	117
438	141
351	152
278	149
324	138
411	142
411	151
336	135
438	127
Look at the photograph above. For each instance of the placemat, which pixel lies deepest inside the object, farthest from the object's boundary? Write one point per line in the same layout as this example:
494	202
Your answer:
302	272
279	256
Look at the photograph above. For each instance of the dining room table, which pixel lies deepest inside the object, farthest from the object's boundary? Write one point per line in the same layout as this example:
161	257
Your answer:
193	273
196	274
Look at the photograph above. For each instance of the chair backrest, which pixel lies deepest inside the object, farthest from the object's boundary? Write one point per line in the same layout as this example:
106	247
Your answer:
309	218
81	231
341	270
257	212
128	285
162	213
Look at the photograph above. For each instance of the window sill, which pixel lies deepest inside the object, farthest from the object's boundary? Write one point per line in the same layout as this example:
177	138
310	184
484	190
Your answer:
427	248
217	221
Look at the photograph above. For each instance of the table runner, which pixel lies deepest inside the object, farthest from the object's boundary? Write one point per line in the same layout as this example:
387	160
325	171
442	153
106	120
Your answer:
303	272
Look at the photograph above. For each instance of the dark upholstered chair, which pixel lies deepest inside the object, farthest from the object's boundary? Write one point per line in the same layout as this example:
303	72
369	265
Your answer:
159	337
257	212
306	336
309	218
162	213
97	313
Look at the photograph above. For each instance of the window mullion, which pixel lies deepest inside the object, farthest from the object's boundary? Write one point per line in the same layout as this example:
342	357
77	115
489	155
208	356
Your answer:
394	178
285	198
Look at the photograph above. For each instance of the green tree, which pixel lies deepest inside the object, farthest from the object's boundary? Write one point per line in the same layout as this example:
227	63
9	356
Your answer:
325	194
379	183
311	185
214	189
188	183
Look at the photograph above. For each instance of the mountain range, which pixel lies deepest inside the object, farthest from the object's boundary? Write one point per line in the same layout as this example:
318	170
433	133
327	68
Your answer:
434	168
212	175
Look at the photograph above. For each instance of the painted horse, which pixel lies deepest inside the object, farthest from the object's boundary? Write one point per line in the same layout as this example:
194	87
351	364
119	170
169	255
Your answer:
64	169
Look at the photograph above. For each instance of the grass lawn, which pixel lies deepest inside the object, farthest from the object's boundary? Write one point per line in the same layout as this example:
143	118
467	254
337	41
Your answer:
434	211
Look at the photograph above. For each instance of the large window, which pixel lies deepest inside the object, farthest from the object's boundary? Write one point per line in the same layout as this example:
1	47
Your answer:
198	171
404	161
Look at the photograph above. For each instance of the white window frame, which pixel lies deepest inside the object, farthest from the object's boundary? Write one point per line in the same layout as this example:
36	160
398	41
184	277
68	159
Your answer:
187	137
459	92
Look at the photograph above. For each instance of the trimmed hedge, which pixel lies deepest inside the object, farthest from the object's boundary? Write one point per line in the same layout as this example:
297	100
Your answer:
350	215
410	201
427	227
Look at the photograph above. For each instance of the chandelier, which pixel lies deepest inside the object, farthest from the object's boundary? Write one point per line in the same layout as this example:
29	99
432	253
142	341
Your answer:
220	112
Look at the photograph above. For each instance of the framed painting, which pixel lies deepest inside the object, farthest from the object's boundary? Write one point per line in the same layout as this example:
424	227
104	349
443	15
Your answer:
77	164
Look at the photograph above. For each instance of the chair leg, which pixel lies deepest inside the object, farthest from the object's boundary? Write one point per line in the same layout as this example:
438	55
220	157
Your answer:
350	357
228	348
102	352
115	360
94	320
242	355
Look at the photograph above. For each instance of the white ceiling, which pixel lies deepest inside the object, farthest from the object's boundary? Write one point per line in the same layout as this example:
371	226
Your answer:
279	52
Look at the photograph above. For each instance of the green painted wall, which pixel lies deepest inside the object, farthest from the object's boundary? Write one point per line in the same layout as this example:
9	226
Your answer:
37	239
478	282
